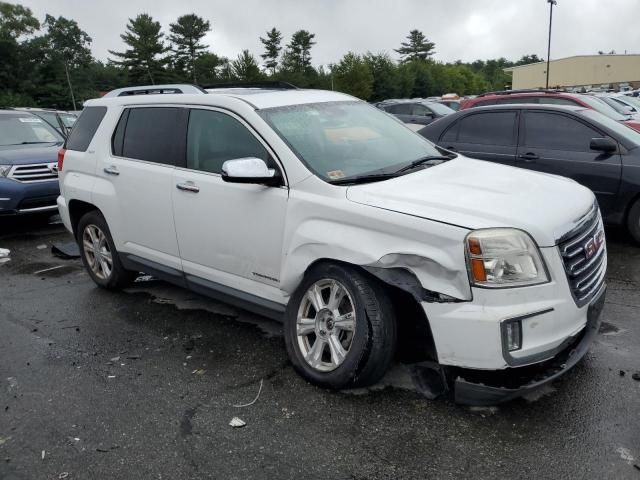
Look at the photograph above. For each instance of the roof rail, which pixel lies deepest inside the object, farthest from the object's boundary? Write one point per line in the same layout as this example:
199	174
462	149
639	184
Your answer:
155	90
527	90
266	84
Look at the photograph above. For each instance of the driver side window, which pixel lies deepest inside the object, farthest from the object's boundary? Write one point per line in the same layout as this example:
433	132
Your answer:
215	137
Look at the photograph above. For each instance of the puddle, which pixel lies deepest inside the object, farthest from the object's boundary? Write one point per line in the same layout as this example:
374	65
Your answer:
183	299
609	329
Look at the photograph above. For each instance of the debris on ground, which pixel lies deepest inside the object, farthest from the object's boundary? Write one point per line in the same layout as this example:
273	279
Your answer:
63	475
5	255
237	423
198	372
107	450
41	247
621	373
133	357
636	466
48	269
65	250
286	413
254	400
114	359
44	454
111	376
636	376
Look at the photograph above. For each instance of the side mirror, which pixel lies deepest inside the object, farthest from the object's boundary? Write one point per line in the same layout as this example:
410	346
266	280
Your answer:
603	145
249	170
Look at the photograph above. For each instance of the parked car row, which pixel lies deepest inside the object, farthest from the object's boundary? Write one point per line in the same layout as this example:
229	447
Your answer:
60	120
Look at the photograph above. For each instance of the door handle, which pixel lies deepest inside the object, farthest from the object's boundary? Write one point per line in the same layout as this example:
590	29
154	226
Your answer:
188	187
112	170
529	157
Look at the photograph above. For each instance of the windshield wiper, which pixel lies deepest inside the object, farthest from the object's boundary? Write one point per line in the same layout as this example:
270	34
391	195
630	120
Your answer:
373	177
429	159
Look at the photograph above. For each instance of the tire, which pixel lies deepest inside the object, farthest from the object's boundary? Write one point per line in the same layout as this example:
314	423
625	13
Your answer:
368	341
91	226
633	221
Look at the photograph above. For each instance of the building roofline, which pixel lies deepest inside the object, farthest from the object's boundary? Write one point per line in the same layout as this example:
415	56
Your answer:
511	69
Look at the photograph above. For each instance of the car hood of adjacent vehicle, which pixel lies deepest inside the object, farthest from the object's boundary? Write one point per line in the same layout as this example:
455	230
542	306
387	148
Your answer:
475	194
25	154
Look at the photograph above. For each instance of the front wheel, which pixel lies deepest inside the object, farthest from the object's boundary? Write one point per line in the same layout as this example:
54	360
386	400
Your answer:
340	329
99	253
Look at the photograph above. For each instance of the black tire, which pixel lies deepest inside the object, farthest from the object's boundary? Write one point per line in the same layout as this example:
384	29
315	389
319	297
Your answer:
119	277
373	343
633	221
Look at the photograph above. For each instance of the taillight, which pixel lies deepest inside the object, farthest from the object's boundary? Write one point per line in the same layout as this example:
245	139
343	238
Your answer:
61	153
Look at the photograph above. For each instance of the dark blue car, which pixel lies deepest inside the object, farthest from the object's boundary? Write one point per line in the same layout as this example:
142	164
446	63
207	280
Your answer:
28	164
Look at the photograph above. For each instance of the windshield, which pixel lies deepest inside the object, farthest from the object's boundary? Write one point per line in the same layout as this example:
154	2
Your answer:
602	107
635	102
26	129
621	129
343	139
439	108
68	119
621	109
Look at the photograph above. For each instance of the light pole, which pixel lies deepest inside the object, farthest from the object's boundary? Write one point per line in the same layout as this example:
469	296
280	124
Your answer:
551	4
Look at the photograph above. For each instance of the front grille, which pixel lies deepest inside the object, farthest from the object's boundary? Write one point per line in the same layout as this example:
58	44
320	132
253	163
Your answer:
38	202
38	172
585	267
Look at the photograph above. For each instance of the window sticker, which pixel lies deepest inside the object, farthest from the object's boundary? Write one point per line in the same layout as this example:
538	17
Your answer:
29	120
335	174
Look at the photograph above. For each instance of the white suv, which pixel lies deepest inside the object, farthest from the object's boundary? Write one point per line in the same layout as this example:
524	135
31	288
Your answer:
317	208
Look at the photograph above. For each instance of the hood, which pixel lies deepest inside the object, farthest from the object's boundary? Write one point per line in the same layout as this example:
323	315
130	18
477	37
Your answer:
25	154
476	194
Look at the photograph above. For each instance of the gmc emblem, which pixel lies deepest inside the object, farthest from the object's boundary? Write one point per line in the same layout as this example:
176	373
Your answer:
594	243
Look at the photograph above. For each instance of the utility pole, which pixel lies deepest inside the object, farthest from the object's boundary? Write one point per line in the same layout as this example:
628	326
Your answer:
551	4
73	98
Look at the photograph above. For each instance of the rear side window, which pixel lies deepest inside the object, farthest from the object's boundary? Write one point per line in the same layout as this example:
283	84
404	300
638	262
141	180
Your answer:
515	100
558	101
557	132
490	128
152	134
85	128
400	109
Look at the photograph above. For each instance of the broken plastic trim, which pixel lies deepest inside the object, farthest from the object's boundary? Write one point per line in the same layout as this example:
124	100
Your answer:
406	280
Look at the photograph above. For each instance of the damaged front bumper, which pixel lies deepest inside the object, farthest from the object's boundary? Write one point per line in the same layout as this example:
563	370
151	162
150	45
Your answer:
482	388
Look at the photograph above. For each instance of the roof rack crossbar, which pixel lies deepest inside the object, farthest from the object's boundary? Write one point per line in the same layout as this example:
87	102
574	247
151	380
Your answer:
155	90
266	84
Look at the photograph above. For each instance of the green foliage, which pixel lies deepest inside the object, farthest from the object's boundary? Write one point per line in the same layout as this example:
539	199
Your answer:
245	67
186	36
43	67
16	21
416	48
353	76
271	49
144	60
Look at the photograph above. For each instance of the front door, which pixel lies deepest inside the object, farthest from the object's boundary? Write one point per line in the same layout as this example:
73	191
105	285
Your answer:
229	234
560	144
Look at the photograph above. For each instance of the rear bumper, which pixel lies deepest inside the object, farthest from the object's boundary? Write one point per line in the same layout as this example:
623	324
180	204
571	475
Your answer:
471	389
17	198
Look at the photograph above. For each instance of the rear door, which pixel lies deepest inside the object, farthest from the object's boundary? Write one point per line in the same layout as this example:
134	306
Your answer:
490	136
559	143
136	182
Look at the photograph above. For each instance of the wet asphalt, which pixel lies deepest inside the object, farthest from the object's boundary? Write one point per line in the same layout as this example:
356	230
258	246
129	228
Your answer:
142	384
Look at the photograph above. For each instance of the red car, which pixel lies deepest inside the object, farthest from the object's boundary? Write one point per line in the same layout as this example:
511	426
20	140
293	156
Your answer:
549	97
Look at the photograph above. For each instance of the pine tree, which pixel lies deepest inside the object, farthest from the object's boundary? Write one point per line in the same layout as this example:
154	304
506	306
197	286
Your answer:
144	60
245	67
298	53
185	38
271	49
417	48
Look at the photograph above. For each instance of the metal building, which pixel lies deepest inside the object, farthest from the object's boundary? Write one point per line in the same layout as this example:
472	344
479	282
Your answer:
590	71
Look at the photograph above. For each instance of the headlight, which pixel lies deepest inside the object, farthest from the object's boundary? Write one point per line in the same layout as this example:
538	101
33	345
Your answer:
4	170
504	257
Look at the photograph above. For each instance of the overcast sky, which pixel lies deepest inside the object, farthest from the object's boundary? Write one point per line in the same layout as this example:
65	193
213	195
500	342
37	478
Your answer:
461	29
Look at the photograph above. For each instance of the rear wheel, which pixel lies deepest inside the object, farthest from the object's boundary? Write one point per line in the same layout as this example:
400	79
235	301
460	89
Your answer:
99	254
633	221
340	329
